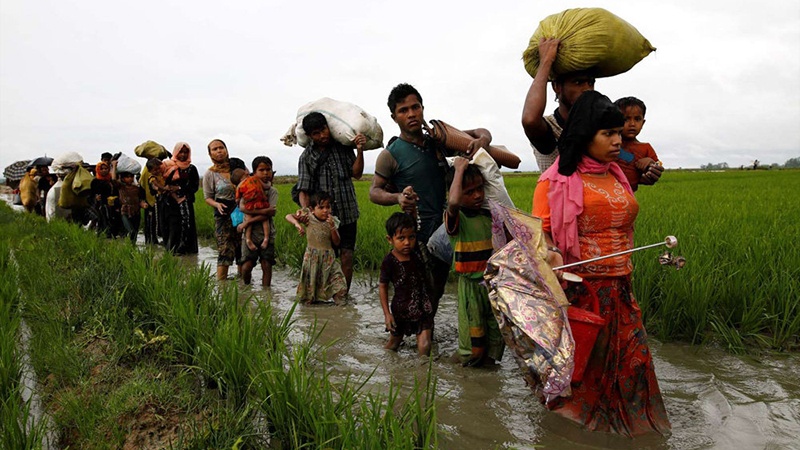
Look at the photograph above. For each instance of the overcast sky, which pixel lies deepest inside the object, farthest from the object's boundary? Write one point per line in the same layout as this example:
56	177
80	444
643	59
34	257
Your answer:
94	76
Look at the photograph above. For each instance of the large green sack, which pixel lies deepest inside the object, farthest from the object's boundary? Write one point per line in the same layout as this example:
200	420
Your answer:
591	39
151	149
69	198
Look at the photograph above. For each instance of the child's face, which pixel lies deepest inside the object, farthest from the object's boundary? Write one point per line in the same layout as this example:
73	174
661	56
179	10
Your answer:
403	241
323	210
157	170
472	193
127	179
634	121
264	172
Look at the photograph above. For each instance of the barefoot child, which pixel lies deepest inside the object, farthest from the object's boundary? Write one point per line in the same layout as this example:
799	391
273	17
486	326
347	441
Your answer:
470	230
637	159
321	277
250	196
411	309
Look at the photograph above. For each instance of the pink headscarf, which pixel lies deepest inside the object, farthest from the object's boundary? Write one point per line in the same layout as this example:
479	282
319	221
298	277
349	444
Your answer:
565	197
176	150
173	164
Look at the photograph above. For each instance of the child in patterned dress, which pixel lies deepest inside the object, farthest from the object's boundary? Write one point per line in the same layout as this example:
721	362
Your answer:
321	277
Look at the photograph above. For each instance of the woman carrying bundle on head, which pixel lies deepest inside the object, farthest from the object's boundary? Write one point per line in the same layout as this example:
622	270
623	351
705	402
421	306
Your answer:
587	208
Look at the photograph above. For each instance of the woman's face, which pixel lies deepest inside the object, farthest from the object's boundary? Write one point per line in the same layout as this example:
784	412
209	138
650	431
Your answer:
103	170
183	154
606	144
217	151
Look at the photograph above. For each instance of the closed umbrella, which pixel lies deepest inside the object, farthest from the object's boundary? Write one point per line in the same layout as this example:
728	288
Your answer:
529	304
16	170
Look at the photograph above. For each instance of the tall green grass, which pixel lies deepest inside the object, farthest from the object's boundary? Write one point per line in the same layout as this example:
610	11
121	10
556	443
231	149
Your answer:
121	335
738	230
20	429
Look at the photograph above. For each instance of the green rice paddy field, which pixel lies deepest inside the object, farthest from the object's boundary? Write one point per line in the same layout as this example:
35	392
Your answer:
738	231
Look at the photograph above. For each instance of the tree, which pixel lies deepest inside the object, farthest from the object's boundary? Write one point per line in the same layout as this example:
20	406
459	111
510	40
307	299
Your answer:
792	163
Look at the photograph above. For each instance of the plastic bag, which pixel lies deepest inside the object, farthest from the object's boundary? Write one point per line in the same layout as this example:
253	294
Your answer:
591	39
345	120
127	164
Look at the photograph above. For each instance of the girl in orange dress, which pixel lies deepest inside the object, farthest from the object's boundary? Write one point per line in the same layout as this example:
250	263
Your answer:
588	210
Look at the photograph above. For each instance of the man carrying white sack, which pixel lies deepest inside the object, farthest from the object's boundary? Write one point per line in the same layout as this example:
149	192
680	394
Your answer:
326	165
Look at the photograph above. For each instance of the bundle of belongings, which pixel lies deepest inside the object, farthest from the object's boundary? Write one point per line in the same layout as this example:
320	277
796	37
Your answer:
457	141
345	121
592	39
77	183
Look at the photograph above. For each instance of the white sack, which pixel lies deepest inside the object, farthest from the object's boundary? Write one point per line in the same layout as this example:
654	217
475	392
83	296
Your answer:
127	164
345	120
494	187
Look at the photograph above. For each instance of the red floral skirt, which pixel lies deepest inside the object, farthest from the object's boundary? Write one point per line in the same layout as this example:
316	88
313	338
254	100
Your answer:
619	392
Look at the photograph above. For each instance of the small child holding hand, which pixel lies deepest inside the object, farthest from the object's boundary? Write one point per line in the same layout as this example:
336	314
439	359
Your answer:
321	276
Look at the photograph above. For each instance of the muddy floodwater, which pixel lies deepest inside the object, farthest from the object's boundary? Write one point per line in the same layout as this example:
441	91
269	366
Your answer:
715	400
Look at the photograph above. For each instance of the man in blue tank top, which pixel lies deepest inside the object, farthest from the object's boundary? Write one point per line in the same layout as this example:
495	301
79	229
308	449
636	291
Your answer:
416	161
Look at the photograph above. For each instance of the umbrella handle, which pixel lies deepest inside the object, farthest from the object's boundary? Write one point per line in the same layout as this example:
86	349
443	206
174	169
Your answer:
669	241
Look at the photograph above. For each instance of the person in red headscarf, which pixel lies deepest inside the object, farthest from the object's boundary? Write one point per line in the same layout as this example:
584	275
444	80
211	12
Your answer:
104	207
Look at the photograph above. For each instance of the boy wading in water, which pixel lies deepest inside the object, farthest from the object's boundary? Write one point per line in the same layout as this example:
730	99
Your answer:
411	309
470	230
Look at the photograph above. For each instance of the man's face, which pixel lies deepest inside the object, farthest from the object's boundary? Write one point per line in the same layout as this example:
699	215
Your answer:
408	115
321	137
572	86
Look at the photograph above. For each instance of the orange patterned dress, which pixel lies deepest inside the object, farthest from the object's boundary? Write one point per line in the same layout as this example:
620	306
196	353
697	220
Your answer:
619	391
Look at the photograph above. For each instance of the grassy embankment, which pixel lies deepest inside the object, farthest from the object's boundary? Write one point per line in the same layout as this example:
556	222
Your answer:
134	350
738	230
